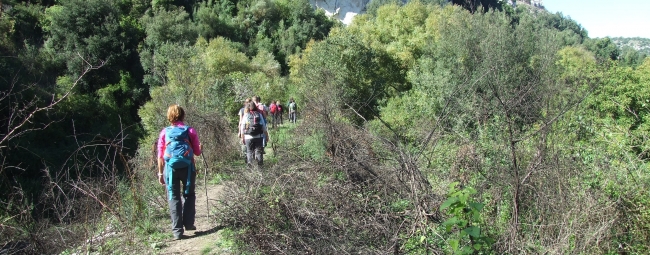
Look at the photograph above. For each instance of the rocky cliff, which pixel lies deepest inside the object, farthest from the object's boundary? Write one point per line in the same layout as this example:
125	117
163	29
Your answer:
341	10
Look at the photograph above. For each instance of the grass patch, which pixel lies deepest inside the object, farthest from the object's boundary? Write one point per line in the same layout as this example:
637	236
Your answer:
206	250
228	240
219	178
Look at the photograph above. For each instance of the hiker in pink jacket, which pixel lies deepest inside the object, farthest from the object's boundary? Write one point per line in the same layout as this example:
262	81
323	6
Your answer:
177	145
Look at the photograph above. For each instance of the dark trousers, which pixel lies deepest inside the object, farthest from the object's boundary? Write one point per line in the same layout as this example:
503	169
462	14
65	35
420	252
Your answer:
254	148
277	118
182	211
274	120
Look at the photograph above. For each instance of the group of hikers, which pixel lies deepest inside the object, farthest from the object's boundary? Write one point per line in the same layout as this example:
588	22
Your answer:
253	126
178	144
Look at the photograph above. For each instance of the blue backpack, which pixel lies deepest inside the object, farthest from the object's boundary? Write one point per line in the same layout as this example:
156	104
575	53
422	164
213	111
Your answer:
178	151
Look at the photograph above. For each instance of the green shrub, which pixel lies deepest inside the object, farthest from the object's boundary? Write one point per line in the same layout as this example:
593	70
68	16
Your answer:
467	235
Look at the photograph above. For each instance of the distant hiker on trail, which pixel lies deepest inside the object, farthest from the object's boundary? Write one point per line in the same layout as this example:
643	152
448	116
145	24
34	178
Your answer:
292	110
266	111
242	112
242	109
177	145
261	108
255	134
280	110
273	108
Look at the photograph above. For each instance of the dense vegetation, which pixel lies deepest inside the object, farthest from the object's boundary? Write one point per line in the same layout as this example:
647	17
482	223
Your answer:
427	127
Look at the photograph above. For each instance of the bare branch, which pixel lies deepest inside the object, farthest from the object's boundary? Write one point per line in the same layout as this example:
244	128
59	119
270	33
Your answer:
17	130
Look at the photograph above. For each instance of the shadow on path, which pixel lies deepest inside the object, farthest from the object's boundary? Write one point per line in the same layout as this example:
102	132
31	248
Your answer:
209	231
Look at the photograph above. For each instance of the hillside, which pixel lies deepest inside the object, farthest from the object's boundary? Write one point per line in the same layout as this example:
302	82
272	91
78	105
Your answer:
640	44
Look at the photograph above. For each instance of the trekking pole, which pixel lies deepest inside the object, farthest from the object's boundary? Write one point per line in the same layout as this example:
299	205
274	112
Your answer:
205	182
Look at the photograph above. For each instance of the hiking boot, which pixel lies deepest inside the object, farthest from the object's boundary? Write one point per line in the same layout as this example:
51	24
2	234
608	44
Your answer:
178	236
190	228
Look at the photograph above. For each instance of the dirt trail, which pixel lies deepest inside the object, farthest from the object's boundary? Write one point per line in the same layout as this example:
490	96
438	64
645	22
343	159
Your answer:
204	239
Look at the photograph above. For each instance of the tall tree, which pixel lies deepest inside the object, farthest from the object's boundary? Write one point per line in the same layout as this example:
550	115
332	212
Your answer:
96	32
604	49
348	78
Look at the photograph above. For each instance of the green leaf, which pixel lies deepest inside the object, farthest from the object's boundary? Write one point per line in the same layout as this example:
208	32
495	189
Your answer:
463	199
454	244
473	231
451	221
452	187
476	216
476	206
467	250
477	247
422	238
448	203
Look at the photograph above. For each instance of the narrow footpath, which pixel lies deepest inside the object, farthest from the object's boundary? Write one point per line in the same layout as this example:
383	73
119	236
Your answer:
205	238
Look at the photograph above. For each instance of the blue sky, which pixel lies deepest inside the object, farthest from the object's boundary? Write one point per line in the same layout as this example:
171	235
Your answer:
601	18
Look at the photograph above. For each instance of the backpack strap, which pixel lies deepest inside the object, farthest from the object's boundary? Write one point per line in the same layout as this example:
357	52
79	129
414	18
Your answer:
255	115
164	148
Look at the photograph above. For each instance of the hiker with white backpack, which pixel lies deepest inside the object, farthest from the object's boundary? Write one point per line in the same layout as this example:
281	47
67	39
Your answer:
255	132
177	145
